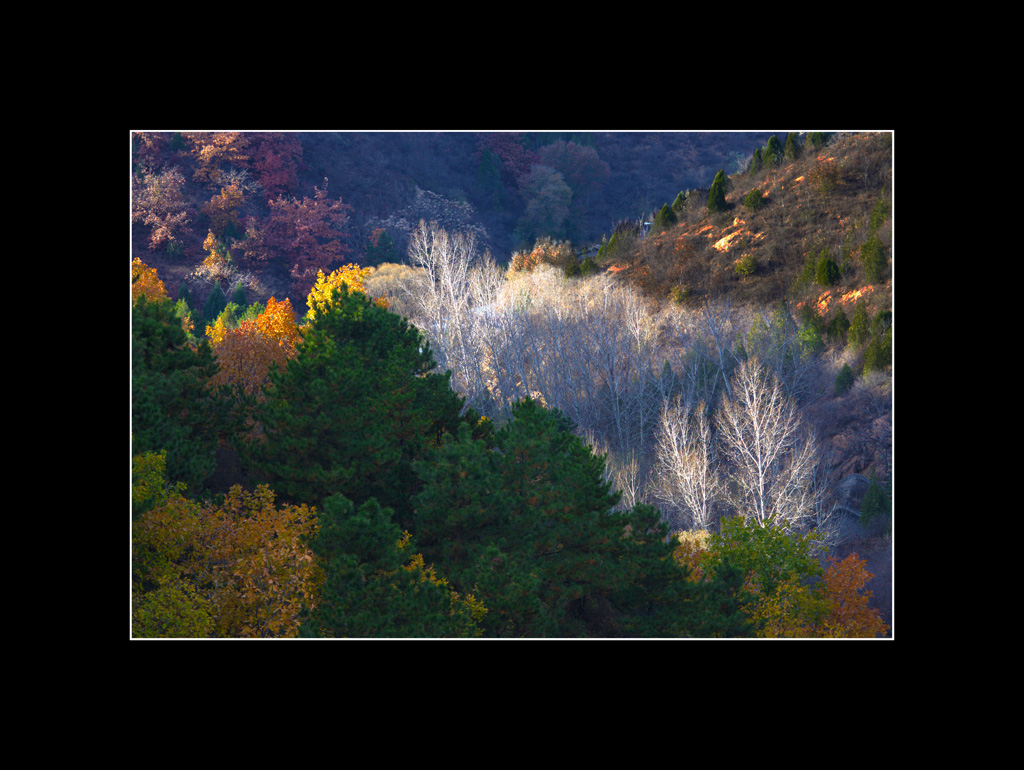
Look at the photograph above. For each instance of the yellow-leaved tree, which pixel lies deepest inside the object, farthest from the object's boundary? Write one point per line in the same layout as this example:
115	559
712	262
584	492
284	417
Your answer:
351	275
238	569
145	281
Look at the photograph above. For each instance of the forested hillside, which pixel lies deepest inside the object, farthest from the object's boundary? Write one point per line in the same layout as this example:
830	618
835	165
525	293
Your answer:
547	395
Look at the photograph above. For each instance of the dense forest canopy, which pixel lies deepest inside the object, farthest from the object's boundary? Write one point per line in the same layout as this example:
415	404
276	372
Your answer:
536	384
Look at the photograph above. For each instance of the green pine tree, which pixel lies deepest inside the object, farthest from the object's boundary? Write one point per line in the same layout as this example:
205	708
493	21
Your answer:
872	256
878	353
838	326
756	161
532	527
827	271
359	403
876	504
716	195
186	295
382	250
793	149
375	585
238	295
772	155
215	304
819	138
666	217
860	329
174	409
844	380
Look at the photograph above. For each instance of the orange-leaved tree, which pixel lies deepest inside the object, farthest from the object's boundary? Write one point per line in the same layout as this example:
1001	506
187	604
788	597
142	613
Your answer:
248	352
837	607
213	150
849	611
786	592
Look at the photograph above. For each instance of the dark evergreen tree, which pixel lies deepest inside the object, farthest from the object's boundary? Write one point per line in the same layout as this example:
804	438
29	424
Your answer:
844	380
772	155
716	195
186	295
819	138
215	304
381	249
756	161
793	149
881	322
878	353
238	296
375	585
838	326
860	329
174	409
666	217
356	406
488	178
827	272
532	528
872	256
876	506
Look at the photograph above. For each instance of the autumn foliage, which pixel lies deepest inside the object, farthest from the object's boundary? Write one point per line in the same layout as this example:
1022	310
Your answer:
146	282
351	275
785	592
159	203
306	236
224	210
849	613
237	569
248	352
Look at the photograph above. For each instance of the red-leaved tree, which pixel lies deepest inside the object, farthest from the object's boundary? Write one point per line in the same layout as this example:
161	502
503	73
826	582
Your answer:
276	161
303	236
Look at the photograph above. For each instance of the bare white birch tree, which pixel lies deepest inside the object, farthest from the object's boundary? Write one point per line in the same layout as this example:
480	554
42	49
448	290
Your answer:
444	302
688	479
772	459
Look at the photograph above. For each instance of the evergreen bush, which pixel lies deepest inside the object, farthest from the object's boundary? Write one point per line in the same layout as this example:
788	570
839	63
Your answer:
838	326
859	331
793	149
845	380
827	272
716	195
872	256
666	217
754	200
746	266
215	304
877	503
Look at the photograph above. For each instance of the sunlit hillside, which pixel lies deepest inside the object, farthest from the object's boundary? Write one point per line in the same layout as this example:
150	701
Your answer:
822	202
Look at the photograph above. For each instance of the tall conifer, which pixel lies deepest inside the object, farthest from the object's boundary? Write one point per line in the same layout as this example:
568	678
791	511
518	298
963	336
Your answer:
357	405
716	195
